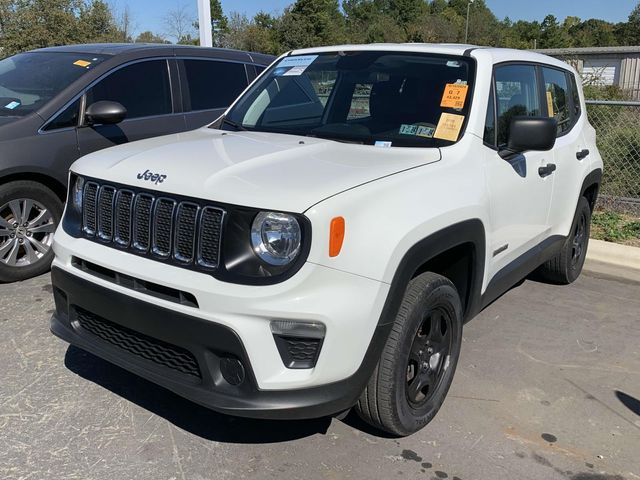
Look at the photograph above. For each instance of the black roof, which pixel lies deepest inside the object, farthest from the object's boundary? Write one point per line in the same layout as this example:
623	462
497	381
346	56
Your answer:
122	48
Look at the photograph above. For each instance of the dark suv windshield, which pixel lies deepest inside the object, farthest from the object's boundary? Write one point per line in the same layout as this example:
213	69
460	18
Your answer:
29	80
385	98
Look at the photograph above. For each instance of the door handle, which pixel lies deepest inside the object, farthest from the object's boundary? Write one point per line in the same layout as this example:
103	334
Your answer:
582	154
547	170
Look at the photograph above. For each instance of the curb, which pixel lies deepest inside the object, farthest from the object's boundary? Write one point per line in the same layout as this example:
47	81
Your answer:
613	260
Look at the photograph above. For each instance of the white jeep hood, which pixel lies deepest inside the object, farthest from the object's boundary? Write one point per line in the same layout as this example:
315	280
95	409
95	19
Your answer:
262	170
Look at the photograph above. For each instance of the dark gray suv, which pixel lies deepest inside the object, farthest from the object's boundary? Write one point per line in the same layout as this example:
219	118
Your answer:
58	104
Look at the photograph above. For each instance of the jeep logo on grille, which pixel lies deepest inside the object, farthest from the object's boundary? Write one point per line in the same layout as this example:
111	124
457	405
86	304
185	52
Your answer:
152	177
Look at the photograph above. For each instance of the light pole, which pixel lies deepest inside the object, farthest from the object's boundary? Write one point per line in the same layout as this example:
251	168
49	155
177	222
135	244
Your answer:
466	31
204	22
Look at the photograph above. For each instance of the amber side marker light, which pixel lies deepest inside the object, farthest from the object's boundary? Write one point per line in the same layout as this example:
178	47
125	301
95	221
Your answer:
336	236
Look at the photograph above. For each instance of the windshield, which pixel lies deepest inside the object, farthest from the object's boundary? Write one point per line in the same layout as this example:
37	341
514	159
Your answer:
29	80
389	99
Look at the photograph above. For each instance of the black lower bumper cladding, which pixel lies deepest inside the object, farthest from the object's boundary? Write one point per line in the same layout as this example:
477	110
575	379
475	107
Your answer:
195	358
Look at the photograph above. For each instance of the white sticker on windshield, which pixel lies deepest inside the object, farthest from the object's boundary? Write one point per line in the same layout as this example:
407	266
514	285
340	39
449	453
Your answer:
294	65
381	143
12	105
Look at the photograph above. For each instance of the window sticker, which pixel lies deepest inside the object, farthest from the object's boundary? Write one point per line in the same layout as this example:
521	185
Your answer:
408	129
550	104
454	95
449	127
82	63
426	132
293	66
12	105
381	143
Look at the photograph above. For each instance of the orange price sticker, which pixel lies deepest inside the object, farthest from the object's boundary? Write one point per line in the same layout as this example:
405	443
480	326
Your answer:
82	63
454	95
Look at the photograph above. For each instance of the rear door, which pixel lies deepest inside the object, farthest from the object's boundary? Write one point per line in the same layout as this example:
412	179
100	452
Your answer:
570	151
209	87
145	90
520	195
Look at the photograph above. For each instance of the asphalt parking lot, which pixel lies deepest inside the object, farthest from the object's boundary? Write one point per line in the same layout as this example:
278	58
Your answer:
548	387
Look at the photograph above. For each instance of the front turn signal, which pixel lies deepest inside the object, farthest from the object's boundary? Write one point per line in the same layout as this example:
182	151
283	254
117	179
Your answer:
336	236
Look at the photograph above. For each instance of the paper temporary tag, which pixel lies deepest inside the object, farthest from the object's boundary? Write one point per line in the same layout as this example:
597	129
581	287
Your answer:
380	143
82	63
294	65
449	127
454	95
550	104
426	132
408	129
12	105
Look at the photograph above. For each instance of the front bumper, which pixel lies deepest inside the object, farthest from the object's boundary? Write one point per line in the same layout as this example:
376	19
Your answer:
207	342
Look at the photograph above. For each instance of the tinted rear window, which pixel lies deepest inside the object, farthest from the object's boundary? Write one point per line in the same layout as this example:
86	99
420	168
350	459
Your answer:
214	84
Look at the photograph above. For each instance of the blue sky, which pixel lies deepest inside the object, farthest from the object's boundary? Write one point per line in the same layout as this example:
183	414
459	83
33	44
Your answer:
149	14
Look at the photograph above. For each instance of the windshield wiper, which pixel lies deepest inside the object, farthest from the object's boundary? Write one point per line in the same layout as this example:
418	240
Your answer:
235	125
335	138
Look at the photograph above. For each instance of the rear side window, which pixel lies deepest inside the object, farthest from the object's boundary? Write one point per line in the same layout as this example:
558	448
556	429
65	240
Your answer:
557	96
214	84
516	89
574	94
489	136
143	88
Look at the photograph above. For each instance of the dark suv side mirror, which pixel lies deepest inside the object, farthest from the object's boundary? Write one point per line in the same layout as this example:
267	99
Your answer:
530	133
105	112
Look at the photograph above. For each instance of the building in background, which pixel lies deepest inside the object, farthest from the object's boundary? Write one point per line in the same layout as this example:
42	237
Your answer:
619	66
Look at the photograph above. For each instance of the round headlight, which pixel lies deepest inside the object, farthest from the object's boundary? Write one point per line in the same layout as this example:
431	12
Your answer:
275	237
76	193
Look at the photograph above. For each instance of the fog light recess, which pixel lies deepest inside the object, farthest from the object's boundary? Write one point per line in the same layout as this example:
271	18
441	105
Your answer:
232	370
299	343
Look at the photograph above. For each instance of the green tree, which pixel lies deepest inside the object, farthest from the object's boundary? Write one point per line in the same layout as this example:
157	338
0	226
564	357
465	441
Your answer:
552	35
150	37
309	23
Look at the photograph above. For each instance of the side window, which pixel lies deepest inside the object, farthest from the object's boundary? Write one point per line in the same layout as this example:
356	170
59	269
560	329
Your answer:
575	95
214	84
68	118
516	89
143	88
557	94
489	136
259	69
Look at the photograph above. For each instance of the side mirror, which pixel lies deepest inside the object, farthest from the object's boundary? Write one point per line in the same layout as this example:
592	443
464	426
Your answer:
530	133
105	112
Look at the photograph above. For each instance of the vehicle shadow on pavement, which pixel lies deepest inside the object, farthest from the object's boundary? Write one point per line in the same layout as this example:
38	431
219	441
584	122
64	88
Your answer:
628	401
183	413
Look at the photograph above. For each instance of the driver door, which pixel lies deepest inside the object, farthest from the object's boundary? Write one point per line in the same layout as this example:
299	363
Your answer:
144	89
520	193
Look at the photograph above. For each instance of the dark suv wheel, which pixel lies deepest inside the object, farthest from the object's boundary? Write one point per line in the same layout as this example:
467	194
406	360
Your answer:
566	266
29	215
419	359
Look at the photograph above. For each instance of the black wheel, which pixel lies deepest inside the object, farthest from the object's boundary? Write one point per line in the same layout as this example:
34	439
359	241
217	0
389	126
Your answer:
29	215
566	266
418	361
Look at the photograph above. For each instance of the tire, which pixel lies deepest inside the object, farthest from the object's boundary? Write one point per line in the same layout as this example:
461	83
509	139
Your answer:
392	401
25	242
566	266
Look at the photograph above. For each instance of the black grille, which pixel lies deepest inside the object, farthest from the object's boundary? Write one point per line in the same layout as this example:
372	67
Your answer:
142	222
124	202
105	212
89	200
141	345
210	237
162	228
302	350
186	232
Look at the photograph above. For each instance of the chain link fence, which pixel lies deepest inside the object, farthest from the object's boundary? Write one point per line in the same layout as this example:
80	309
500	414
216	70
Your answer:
617	124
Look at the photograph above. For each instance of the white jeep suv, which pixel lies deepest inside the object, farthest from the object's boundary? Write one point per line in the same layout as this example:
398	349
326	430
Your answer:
322	244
